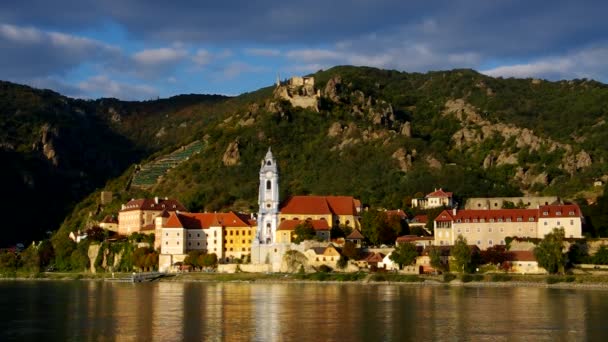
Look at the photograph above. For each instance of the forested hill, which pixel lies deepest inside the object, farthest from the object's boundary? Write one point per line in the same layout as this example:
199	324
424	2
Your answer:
380	135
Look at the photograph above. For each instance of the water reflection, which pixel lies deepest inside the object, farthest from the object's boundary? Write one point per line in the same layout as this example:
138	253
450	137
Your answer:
96	311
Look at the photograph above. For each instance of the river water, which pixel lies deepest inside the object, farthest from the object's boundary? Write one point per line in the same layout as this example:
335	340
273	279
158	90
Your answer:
166	311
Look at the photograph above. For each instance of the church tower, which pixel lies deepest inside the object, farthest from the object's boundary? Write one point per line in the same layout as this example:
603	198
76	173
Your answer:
268	200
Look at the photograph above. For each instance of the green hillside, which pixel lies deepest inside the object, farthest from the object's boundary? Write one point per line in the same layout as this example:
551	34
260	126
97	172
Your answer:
380	135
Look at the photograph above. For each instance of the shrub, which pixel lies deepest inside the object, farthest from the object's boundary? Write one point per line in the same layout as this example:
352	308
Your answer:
553	279
447	277
465	278
500	277
325	269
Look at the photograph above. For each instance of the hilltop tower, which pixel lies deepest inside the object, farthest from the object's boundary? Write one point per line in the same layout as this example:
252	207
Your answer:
268	200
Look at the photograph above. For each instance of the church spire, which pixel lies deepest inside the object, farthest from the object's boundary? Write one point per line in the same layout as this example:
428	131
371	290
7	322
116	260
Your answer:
268	200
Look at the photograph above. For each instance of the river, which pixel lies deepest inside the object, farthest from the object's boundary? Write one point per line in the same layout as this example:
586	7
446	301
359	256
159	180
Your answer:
171	311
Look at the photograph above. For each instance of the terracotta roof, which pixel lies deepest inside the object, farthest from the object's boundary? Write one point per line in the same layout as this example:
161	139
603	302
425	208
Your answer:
205	220
374	257
356	234
292	224
109	219
420	219
554	211
443	250
439	193
154	204
319	205
444	216
164	213
498	215
412	238
397	212
523	255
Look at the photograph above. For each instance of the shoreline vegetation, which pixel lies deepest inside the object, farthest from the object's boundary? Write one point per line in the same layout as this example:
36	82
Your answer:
570	281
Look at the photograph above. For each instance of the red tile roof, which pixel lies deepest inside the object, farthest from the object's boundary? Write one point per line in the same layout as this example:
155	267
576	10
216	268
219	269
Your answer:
554	211
397	212
149	227
109	219
413	238
439	193
420	219
444	216
374	257
320	205
523	255
292	224
356	234
157	204
507	215
206	220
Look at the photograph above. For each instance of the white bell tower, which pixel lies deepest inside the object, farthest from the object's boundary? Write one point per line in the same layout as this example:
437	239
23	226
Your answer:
268	200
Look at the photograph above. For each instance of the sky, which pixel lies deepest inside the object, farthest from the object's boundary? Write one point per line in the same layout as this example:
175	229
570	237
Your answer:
144	49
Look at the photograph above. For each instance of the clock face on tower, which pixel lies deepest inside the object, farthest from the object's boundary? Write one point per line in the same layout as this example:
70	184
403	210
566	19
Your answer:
269	174
268	204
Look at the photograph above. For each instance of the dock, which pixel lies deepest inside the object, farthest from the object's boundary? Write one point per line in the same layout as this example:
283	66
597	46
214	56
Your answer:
138	277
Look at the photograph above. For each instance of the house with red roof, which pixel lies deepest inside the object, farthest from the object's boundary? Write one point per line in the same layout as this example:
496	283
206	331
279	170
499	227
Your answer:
525	262
486	228
335	210
227	235
435	199
140	213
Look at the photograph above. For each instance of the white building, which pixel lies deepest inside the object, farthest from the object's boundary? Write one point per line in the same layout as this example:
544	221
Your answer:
268	200
486	228
435	199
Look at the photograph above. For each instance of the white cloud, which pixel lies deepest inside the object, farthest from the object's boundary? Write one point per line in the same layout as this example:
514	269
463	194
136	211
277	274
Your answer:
160	56
586	63
263	52
202	57
103	86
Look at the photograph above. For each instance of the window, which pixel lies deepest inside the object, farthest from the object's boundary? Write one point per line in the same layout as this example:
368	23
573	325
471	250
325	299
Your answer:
502	242
490	230
166	234
198	243
237	232
482	220
215	233
166	242
571	213
268	162
478	229
178	242
459	230
546	223
231	232
230	241
531	219
508	219
558	224
490	242
475	220
189	235
478	242
519	219
491	220
502	229
467	230
243	241
268	185
558	213
500	220
571	222
466	220
545	213
189	243
198	235
177	234
458	221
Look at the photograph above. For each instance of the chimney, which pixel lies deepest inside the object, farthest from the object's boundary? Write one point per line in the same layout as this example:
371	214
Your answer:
155	200
454	211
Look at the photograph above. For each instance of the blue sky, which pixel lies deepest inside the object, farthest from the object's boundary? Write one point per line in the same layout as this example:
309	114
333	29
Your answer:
143	49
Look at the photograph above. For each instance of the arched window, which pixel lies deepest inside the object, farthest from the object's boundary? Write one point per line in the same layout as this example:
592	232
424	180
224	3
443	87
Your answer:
268	185
268	162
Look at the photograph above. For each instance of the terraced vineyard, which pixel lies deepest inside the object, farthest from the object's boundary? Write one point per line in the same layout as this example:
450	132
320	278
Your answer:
149	173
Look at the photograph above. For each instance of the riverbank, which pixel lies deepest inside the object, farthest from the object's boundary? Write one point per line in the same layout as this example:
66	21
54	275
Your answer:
579	281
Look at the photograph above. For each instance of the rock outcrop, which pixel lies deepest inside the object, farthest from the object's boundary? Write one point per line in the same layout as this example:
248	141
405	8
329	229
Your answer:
46	144
332	88
232	155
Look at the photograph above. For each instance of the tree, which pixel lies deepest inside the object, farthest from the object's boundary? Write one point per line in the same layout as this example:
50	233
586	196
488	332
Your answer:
462	254
435	256
209	260
404	254
601	256
63	247
342	262
97	234
303	232
194	258
351	251
496	255
30	259
549	252
79	261
8	261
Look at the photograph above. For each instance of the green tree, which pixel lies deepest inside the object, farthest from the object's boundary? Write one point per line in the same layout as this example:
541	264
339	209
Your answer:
601	256
193	258
209	260
462	254
79	261
303	232
97	234
351	251
63	247
435	256
404	254
8	261
30	259
342	262
549	252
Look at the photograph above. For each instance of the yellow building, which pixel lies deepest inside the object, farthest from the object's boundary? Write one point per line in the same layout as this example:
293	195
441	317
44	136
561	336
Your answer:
227	235
286	230
335	210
